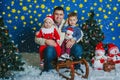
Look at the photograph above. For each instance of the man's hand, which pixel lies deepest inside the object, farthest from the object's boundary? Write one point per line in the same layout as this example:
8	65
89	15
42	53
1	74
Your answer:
50	42
70	43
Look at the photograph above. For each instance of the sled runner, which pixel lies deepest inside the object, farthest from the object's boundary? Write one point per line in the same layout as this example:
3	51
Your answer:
66	69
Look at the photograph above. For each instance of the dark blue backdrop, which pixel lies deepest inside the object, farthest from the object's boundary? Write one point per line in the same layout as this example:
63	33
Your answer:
24	17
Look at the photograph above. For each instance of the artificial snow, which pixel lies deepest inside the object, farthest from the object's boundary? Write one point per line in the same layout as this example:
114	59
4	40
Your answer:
33	73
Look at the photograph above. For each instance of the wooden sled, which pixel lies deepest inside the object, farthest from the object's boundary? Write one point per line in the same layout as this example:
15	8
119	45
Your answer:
69	65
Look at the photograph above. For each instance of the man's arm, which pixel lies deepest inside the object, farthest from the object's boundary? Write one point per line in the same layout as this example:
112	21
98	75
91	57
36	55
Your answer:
38	38
40	41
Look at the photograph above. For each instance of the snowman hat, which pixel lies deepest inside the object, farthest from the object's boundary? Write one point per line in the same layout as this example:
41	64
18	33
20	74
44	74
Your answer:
111	46
70	30
99	48
50	17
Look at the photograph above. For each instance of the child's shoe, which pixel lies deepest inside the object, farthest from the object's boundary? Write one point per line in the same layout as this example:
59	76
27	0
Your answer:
61	59
42	64
65	56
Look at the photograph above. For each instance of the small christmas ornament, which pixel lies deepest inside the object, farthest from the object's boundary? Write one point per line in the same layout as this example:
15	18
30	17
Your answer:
99	59
113	53
86	27
6	31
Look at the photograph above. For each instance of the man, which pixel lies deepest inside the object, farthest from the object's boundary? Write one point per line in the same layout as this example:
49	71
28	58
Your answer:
49	52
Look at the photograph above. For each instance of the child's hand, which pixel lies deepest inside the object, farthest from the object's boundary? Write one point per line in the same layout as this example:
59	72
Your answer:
50	42
72	40
37	33
58	41
55	45
69	44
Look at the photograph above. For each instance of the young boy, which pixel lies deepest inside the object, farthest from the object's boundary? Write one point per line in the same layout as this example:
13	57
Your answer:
48	32
72	33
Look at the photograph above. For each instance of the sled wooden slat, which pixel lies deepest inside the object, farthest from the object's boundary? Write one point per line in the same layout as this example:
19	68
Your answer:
70	65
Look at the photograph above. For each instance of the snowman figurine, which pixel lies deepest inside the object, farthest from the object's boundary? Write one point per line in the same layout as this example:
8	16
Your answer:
69	34
113	53
99	59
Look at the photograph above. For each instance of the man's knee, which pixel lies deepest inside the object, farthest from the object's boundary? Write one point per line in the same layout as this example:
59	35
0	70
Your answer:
49	52
77	50
77	47
49	49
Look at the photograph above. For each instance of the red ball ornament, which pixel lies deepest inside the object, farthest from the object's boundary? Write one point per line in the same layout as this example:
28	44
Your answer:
103	36
6	31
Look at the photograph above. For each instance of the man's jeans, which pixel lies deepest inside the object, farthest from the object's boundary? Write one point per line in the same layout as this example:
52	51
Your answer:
50	55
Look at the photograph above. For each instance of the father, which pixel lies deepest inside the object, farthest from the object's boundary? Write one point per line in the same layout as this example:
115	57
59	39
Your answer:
50	53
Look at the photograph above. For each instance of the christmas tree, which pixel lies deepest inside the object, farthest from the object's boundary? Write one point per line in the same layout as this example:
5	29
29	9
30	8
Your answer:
10	59
92	36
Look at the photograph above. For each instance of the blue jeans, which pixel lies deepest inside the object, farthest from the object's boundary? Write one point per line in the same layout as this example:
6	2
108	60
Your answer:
76	51
50	55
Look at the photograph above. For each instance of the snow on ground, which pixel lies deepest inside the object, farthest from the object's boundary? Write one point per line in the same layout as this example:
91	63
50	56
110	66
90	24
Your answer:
33	73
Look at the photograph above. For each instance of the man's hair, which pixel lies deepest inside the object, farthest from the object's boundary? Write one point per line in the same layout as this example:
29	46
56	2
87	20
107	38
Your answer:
58	8
72	14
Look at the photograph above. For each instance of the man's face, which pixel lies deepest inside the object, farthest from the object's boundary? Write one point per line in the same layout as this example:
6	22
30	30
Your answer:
58	16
